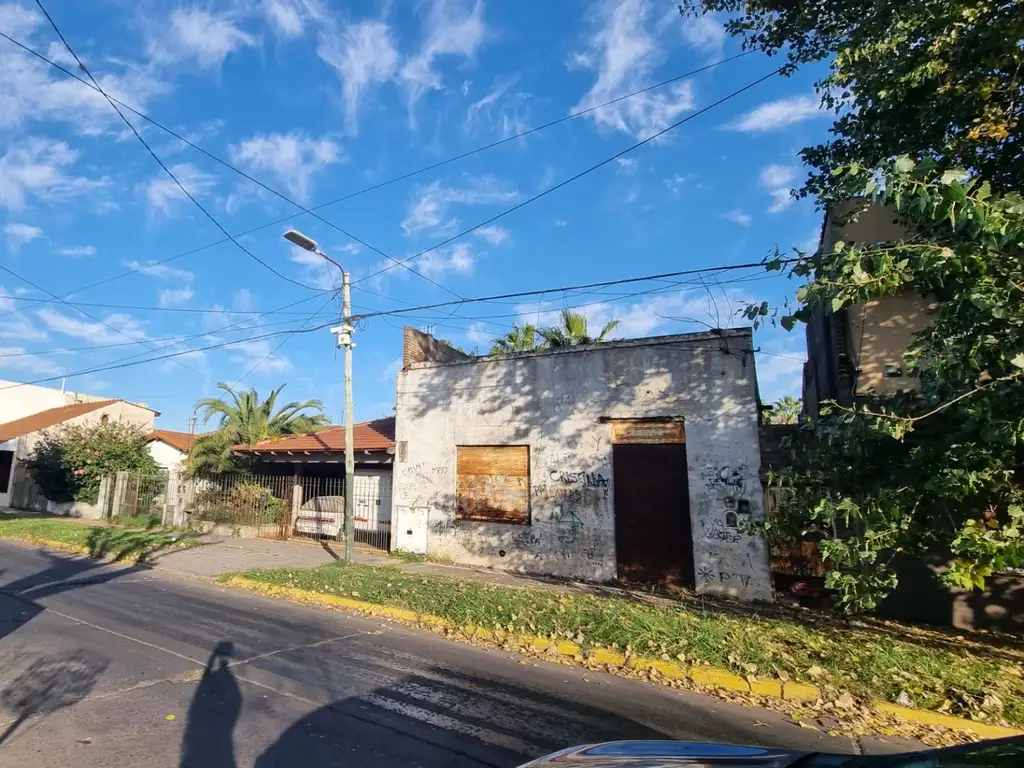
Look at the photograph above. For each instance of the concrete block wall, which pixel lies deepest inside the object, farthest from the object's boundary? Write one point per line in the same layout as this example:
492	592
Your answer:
557	403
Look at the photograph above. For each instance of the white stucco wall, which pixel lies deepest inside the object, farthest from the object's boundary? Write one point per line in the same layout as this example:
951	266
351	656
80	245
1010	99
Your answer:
25	399
554	402
167	456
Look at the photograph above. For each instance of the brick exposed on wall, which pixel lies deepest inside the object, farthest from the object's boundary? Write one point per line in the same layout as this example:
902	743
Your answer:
419	347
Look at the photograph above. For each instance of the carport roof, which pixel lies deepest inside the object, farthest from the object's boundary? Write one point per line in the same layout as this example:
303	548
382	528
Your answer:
375	435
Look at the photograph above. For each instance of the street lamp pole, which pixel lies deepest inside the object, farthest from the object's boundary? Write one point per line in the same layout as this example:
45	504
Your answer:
344	335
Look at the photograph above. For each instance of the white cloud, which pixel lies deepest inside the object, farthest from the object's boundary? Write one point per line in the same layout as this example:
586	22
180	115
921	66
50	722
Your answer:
17	326
77	251
351	248
172	297
36	167
160	271
251	353
19	234
737	216
289	17
705	33
293	158
478	335
29	91
430	210
780	370
676	183
391	369
20	359
624	52
778	179
196	36
503	109
364	55
93	332
493	234
773	115
317	271
781	200
451	28
457	259
162	193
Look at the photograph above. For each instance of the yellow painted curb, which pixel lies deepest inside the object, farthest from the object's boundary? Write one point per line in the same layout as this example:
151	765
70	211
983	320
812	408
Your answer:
927	717
709	676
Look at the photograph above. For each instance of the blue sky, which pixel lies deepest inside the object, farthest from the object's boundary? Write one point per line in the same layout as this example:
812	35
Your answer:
320	99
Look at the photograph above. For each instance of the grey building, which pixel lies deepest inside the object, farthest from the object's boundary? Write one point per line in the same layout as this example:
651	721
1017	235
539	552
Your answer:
635	459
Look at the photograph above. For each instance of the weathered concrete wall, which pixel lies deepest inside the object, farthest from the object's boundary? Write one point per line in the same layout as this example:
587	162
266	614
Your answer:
554	402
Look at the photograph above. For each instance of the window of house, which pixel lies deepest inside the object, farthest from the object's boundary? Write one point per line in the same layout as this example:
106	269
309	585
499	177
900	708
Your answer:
493	483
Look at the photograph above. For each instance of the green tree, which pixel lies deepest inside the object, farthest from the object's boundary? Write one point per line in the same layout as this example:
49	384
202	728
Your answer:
933	79
786	410
939	470
244	419
573	331
524	338
69	461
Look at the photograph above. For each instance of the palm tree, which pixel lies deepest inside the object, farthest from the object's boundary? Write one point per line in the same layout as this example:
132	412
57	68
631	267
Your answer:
245	420
519	339
573	331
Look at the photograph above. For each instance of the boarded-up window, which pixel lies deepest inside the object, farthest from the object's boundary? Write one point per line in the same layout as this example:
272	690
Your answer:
493	483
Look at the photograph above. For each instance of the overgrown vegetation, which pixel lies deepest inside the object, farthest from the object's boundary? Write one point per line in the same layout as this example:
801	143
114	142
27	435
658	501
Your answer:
98	541
245	503
571	331
957	676
69	462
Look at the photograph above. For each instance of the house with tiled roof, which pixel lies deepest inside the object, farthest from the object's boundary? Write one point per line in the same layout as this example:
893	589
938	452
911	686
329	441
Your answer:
170	448
19	436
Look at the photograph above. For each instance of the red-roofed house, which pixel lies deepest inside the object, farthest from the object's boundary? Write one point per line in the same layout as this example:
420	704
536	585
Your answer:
169	448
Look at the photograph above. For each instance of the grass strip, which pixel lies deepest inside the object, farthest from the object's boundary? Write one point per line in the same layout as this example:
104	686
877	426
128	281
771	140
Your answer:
933	670
97	541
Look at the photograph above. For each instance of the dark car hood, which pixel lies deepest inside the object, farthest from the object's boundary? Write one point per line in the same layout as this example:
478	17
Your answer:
653	754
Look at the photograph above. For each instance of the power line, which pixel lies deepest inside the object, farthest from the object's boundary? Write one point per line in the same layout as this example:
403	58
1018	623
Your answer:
129	362
365	190
579	175
156	157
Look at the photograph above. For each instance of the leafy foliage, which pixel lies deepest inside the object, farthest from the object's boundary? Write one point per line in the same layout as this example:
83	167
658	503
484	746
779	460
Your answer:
786	410
525	338
939	469
573	331
68	462
927	78
243	419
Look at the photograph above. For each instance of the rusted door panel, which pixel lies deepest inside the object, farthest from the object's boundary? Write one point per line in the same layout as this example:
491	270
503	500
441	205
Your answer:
493	484
653	541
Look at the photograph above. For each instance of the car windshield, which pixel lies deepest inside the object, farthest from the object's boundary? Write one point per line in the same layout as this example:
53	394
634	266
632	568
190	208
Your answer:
994	754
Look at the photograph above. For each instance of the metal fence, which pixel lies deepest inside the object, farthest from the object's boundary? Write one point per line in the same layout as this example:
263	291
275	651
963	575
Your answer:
321	511
260	504
148	499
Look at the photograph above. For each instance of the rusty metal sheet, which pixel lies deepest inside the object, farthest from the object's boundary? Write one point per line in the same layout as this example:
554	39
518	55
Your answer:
647	432
512	460
495	498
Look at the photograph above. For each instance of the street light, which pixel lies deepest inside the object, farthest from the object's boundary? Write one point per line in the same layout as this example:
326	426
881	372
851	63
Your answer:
344	334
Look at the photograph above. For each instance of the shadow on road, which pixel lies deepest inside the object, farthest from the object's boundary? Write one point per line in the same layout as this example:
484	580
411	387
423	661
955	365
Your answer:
46	685
209	731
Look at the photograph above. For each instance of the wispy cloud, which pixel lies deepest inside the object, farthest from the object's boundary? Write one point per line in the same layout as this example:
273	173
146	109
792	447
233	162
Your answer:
173	297
458	259
778	179
289	18
252	352
77	251
504	109
37	168
17	326
429	211
493	234
774	115
623	52
19	234
364	55
93	332
20	359
451	28
162	193
780	367
293	158
160	271
705	33
196	36
737	216
316	270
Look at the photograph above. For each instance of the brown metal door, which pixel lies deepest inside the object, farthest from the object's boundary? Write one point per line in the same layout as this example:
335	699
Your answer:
652	515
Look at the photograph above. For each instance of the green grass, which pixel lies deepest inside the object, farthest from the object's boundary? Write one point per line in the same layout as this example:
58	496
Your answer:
100	541
871	662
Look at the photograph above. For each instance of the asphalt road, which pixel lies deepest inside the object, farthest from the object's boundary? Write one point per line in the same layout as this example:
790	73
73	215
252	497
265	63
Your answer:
115	666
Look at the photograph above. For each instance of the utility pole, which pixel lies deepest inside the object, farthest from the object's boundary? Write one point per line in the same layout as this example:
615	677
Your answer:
344	334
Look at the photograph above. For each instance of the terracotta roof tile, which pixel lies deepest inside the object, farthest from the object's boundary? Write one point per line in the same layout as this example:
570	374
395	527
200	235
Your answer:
48	418
369	436
180	440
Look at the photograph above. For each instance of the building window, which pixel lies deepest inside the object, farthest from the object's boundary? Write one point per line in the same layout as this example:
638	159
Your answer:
493	483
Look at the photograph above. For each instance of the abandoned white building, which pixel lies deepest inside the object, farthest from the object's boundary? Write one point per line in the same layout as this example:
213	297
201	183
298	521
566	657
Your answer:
634	459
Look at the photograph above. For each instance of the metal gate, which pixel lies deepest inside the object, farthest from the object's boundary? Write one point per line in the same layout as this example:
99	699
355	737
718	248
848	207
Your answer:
321	515
143	498
251	505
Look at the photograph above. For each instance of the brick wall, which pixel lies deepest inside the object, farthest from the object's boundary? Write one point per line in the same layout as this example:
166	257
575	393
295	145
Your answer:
419	347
